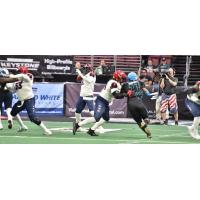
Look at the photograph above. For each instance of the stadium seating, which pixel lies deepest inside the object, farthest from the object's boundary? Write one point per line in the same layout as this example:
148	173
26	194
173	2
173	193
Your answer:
126	63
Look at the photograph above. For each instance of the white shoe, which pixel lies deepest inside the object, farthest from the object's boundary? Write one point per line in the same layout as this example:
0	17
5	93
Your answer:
100	130
1	126
194	134
47	132
80	129
22	128
197	137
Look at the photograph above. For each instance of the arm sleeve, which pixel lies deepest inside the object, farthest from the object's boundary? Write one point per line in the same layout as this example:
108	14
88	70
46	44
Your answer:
118	95
11	87
191	90
21	77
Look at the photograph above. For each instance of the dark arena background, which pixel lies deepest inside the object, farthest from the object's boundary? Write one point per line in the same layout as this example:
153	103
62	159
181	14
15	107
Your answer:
56	91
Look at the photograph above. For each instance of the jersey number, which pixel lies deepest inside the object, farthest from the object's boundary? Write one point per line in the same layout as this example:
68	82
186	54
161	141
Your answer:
18	85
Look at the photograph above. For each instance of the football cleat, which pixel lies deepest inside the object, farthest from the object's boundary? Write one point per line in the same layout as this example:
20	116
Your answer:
194	134
80	129
148	133
10	124
75	127
91	132
143	126
22	129
47	132
101	129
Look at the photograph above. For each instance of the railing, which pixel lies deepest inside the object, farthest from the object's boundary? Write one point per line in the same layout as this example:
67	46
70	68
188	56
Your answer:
187	70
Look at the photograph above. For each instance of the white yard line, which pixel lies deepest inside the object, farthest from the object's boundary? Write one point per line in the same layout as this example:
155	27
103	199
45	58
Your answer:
99	139
61	138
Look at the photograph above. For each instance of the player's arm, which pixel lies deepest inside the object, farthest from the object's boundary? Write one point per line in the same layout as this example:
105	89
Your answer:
126	91
89	79
8	80
193	89
116	92
11	87
21	77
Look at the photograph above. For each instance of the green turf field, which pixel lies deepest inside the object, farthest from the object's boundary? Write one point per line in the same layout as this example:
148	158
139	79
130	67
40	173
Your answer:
116	133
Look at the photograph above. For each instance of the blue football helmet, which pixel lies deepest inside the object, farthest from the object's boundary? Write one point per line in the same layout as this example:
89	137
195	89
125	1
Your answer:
132	76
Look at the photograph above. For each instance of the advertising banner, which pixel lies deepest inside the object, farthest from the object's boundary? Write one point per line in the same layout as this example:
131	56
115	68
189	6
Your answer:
41	64
49	98
118	109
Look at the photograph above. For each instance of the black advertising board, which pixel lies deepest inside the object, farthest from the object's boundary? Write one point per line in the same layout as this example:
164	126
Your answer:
42	64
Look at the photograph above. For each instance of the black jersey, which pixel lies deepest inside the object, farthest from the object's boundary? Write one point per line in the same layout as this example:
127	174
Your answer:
137	88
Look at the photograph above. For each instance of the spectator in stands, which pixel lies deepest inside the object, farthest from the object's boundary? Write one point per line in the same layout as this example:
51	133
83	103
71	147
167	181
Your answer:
150	69
163	64
156	88
99	69
168	84
144	77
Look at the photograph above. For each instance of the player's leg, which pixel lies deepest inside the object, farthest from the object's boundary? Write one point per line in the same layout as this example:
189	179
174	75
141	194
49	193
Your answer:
100	111
22	126
144	114
8	106
88	120
195	110
104	114
79	108
140	115
1	102
30	107
90	105
17	108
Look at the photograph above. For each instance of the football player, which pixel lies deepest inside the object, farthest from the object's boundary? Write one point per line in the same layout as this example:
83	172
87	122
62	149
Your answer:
6	97
87	89
193	104
135	90
23	89
88	78
106	96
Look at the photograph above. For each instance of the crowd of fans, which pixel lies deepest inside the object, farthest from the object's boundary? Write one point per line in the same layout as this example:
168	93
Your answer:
161	79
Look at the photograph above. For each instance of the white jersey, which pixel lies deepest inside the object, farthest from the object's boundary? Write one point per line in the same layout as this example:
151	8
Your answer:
111	87
88	81
23	87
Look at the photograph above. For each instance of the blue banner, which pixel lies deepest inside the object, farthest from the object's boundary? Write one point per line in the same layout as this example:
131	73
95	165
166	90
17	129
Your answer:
49	98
